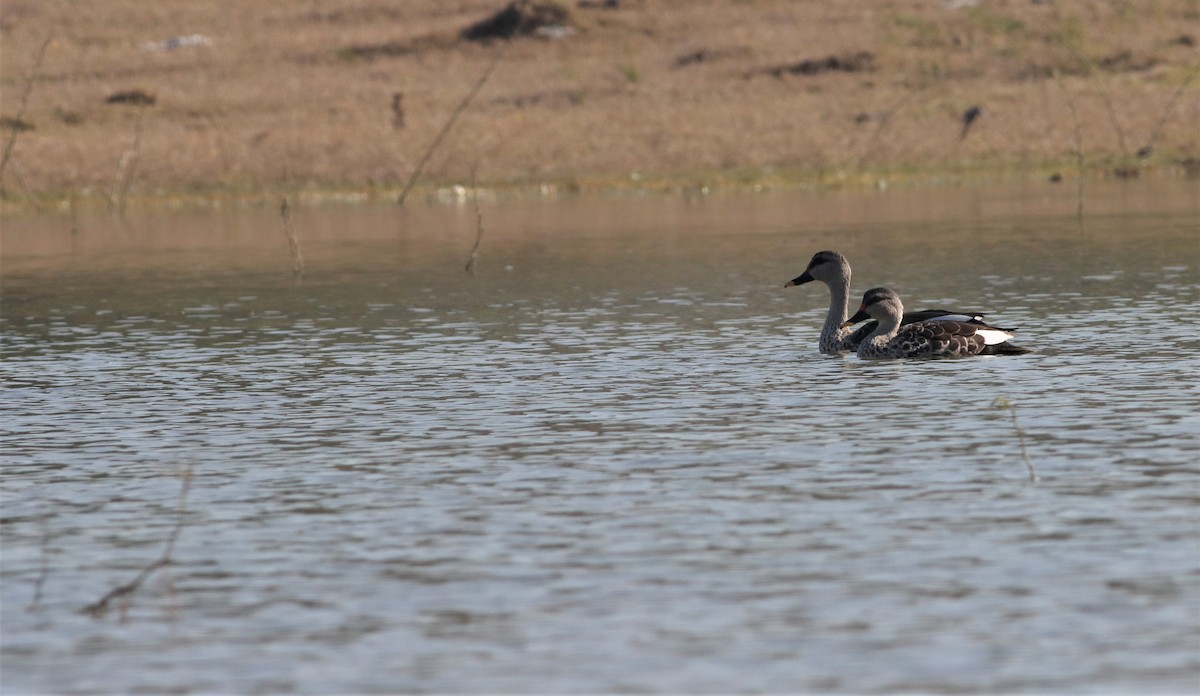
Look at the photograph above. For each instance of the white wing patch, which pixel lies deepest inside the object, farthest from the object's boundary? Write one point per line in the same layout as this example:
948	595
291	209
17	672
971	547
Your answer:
992	337
964	318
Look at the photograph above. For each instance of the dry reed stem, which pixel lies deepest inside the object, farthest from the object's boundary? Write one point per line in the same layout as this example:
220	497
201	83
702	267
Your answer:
28	195
884	119
73	209
1003	403
43	566
1116	124
1106	99
126	168
30	78
222	151
1078	143
412	179
285	213
99	608
474	257
1162	118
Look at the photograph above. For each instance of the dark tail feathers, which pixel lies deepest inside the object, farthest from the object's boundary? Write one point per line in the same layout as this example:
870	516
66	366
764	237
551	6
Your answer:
1005	348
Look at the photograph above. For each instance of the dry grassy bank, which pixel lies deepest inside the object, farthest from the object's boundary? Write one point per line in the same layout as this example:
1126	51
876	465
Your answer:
299	95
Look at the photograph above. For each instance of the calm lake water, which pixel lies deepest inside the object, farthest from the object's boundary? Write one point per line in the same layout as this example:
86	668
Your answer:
611	459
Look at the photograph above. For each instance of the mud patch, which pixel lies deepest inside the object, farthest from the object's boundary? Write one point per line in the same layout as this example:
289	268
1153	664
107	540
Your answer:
554	98
709	55
1126	61
16	125
392	49
863	61
135	97
531	18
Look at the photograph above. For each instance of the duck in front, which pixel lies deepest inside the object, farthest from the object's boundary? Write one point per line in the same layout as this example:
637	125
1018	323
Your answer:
892	339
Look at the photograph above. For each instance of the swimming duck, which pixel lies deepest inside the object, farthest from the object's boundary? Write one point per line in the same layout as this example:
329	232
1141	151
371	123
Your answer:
833	269
924	339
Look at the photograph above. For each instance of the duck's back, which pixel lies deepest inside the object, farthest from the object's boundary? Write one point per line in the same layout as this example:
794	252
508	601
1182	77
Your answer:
949	339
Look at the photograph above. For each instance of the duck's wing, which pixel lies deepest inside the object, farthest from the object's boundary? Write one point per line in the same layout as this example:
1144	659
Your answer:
948	315
954	339
860	334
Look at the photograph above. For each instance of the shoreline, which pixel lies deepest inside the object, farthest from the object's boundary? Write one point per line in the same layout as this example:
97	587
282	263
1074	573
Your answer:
453	192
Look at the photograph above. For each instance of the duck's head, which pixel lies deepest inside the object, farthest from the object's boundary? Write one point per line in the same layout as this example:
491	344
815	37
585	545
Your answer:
826	266
877	304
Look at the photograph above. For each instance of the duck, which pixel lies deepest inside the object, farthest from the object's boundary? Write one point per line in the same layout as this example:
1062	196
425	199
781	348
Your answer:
942	338
832	269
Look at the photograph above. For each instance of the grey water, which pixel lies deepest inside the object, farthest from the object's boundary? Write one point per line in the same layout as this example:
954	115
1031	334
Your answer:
611	458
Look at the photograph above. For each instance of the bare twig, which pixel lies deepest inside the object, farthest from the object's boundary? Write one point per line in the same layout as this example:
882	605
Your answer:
1112	117
126	167
72	204
1078	143
25	192
398	111
1002	402
412	179
285	213
206	65
100	607
222	151
15	128
884	119
470	268
1104	98
43	566
1162	118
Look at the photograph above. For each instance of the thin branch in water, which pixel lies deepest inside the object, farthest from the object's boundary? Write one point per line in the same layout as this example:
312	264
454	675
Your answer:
126	167
99	608
72	204
25	192
1162	118
43	566
222	151
884	119
1078	143
285	213
1002	402
18	119
1105	98
412	179
473	259
1112	117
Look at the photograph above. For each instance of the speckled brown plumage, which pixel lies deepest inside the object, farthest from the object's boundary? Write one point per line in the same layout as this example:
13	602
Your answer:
928	339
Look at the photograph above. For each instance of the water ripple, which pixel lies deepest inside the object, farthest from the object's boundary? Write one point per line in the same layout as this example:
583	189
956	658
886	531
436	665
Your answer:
642	482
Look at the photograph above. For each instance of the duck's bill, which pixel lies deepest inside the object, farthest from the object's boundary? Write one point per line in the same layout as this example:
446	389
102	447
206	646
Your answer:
860	315
799	280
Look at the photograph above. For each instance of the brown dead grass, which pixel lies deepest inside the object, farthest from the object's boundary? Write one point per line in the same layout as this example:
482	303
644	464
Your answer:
294	96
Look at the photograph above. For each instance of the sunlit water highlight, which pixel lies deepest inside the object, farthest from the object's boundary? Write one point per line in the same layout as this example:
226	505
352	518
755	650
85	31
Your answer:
612	460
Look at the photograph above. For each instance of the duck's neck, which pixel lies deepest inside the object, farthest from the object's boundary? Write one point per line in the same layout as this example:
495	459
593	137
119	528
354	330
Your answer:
889	326
833	336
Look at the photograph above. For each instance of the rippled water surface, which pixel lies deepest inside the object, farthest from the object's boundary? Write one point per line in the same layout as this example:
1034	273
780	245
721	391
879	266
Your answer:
611	459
